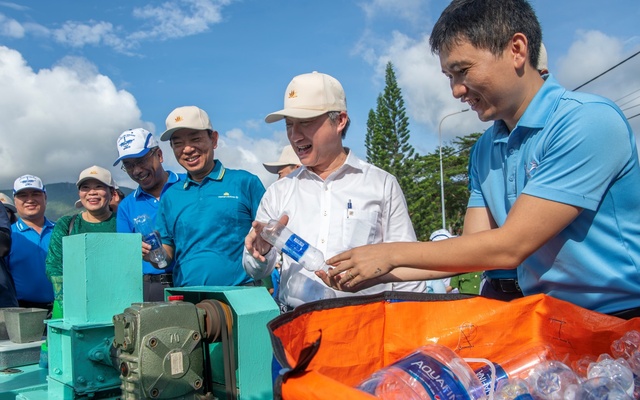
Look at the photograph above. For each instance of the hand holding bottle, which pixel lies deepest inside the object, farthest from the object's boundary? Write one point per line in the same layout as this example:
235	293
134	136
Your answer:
152	249
281	237
255	244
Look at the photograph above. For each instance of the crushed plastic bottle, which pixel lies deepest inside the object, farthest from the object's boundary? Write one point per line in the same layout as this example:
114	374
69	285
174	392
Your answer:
617	369
284	240
431	372
512	389
550	380
515	366
600	388
157	254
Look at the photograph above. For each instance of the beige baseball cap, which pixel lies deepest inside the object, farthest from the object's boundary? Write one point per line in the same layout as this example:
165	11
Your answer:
311	95
190	117
8	203
542	58
287	157
98	173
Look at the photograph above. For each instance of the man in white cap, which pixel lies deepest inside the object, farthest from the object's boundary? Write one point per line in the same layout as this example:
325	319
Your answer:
95	189
335	201
203	219
286	164
142	159
30	236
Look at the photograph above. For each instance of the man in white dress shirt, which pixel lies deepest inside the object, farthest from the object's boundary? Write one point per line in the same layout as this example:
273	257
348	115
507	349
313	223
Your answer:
335	201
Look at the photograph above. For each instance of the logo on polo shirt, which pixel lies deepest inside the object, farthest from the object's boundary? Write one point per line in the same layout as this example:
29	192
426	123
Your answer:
531	168
226	195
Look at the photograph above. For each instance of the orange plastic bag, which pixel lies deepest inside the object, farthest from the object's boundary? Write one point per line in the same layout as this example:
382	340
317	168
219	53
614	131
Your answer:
328	347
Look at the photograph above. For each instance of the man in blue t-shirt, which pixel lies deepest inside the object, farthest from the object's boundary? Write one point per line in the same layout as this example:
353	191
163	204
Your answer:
30	237
142	160
555	182
203	219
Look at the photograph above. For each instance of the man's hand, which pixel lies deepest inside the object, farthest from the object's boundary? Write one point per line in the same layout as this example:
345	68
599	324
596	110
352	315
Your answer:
361	264
255	244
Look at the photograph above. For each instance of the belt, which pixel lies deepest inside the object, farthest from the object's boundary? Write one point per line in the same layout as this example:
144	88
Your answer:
505	285
165	279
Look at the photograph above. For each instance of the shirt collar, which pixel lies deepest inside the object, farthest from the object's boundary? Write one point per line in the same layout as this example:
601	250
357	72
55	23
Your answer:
173	178
352	161
538	111
216	174
22	226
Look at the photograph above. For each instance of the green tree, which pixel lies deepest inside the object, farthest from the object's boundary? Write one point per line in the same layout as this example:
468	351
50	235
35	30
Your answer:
388	147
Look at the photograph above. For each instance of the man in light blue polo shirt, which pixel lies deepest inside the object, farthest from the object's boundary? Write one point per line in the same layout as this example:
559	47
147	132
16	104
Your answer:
30	237
142	159
203	220
555	181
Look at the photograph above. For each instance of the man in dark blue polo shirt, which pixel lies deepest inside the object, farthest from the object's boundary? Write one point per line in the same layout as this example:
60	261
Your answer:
30	236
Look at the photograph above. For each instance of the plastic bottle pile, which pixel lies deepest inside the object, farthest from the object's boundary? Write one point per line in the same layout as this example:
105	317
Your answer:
436	372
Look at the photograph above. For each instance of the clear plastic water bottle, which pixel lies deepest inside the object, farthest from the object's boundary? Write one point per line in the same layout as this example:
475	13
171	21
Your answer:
144	226
552	380
515	366
600	388
281	237
627	348
618	370
512	389
431	372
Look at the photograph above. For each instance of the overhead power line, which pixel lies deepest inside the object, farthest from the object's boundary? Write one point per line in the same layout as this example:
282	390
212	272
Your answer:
615	66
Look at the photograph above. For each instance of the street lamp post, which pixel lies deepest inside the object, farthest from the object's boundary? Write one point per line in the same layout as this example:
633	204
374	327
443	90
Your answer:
444	221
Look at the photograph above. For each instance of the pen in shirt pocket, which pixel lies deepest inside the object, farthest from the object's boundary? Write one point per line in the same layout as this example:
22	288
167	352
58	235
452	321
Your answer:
349	208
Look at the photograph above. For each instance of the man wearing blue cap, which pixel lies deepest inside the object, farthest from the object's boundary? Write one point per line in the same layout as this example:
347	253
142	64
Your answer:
142	159
30	236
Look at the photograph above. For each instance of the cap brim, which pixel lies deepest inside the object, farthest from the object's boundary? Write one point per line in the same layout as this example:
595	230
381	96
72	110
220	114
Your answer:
10	207
91	177
32	188
293	113
273	167
166	135
141	154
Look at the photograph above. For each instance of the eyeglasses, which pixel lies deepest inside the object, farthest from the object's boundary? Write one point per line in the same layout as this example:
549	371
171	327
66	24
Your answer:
130	166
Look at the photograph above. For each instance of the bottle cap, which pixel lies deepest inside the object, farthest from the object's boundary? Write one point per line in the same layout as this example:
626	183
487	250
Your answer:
162	264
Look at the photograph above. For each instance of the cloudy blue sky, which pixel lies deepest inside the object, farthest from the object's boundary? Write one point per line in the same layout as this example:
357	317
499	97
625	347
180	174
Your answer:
75	74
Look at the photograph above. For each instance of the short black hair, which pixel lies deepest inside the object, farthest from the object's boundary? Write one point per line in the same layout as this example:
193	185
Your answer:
487	24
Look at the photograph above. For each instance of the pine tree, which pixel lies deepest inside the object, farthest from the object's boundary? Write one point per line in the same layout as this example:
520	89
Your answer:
387	143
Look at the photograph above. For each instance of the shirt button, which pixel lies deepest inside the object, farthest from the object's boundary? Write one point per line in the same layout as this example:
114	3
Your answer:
325	213
322	241
511	151
511	178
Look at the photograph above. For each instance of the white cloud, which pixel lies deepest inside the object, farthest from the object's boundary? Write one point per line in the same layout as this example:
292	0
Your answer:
239	151
94	33
593	53
178	19
166	21
10	27
408	10
425	91
56	122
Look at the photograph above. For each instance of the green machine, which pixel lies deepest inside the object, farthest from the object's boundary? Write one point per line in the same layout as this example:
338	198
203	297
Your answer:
204	343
